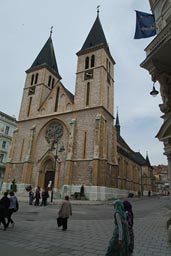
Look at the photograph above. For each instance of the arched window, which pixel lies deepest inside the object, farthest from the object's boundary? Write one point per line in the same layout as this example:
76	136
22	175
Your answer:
32	79
53	81
57	99
109	67
36	78
88	94
107	64
92	61
49	81
87	62
29	106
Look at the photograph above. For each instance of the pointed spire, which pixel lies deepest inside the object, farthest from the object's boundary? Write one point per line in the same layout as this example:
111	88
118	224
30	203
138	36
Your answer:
117	124
47	56
96	36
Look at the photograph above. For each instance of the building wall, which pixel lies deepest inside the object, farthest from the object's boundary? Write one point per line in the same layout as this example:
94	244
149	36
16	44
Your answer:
7	127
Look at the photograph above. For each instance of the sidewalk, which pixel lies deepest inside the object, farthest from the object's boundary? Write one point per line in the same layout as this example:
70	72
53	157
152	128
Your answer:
90	228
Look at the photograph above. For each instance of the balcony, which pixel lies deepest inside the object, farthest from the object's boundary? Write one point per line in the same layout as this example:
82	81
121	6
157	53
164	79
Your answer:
157	51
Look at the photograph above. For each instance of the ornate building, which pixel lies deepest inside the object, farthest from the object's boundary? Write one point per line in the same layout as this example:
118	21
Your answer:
158	63
68	140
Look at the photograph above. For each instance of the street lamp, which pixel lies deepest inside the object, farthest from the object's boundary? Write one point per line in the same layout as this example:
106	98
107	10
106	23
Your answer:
57	148
154	92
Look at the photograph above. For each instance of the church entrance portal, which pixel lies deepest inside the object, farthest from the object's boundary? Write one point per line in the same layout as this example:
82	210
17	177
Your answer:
49	178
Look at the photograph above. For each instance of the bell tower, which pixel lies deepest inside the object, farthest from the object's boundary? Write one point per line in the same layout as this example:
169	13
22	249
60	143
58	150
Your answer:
40	80
95	72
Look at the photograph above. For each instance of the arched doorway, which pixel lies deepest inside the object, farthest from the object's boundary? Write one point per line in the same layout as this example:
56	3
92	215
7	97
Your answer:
49	174
49	179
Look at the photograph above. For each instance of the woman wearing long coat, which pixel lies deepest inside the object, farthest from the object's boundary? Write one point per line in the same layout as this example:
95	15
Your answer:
65	211
118	245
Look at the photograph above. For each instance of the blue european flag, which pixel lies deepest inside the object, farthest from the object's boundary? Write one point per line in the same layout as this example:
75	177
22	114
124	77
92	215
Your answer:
145	25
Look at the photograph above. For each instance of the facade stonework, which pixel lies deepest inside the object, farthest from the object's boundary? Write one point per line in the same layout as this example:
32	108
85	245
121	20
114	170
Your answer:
71	140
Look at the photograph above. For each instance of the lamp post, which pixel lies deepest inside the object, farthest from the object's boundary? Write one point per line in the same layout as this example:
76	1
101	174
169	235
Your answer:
57	148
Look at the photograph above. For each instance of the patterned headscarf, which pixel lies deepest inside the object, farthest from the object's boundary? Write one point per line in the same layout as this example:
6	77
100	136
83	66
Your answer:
119	208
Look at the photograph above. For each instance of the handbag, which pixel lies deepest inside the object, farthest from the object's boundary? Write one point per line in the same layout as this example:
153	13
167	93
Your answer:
59	221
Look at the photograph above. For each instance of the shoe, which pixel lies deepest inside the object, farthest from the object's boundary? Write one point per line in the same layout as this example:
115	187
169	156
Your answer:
12	225
64	229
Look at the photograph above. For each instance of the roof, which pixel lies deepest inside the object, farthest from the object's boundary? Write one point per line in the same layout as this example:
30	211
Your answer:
96	36
46	57
95	39
70	95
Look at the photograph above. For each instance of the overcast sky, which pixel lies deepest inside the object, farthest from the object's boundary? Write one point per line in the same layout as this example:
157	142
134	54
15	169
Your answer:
25	27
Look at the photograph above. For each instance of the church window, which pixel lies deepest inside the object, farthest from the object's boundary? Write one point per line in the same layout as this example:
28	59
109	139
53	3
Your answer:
36	78
54	132
107	64
49	81
108	99
87	62
29	106
57	99
21	152
32	79
88	94
53	81
92	61
109	68
84	145
68	107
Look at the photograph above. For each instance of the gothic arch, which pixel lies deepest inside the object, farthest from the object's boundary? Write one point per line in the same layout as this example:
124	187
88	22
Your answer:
46	170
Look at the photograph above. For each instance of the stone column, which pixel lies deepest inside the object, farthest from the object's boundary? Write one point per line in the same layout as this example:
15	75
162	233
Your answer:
169	172
69	163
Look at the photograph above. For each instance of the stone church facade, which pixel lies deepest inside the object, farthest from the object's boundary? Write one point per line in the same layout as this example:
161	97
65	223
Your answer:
68	140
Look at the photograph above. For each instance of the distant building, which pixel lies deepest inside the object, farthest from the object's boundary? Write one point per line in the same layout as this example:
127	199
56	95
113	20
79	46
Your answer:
7	127
160	173
67	140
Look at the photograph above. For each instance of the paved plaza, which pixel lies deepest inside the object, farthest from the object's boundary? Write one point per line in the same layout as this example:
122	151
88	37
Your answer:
89	229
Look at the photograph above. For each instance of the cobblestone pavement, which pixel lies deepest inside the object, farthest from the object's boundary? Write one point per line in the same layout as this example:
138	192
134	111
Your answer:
89	230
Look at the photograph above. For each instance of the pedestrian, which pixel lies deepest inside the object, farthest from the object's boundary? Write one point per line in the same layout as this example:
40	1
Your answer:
65	211
13	186
82	191
31	196
13	207
130	220
4	205
118	245
149	193
45	196
37	196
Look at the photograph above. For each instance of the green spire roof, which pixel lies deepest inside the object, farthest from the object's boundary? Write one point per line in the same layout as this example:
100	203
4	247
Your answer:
46	57
96	36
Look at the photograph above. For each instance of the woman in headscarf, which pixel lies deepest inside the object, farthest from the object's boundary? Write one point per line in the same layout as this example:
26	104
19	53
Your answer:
130	220
118	245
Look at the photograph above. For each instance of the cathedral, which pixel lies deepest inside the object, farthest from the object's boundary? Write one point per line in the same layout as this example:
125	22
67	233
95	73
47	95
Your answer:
68	140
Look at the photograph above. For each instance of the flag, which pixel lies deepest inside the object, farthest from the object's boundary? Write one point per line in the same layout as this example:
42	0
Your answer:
145	25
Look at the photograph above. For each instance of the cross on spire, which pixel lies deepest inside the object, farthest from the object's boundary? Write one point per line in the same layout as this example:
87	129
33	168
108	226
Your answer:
51	31
98	6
